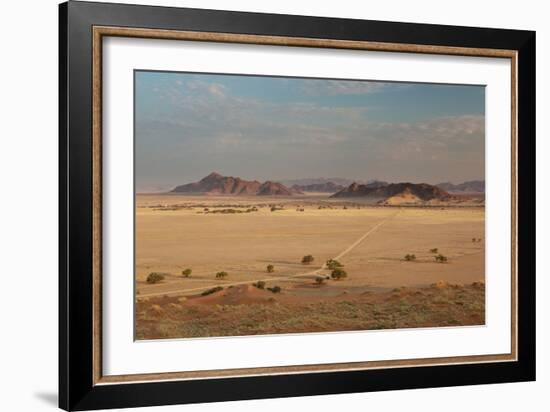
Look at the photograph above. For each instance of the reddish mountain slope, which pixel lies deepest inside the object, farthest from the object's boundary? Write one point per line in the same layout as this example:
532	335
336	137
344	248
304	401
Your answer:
216	184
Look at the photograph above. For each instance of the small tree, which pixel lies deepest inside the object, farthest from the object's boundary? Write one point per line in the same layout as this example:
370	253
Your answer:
275	289
212	290
434	250
410	257
155	277
338	274
333	264
307	259
259	284
186	273
440	258
221	275
270	268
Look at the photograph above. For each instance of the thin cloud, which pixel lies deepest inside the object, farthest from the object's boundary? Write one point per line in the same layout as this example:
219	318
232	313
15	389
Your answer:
342	87
198	121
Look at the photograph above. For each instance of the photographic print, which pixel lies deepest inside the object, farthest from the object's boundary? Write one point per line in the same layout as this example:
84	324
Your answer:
260	205
277	205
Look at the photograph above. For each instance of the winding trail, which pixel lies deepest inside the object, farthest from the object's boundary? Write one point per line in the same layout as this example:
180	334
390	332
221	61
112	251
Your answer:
298	275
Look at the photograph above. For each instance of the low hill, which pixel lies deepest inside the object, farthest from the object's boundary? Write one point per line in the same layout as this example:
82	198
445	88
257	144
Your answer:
395	193
216	184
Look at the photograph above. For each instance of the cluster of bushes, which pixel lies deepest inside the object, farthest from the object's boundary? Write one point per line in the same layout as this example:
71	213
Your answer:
307	259
338	274
221	275
231	211
333	264
259	284
155	277
440	258
212	290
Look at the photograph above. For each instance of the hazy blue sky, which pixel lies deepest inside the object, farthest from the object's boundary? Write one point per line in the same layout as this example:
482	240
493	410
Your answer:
188	125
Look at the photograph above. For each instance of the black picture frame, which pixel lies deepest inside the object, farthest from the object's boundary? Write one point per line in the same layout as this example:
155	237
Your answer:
77	390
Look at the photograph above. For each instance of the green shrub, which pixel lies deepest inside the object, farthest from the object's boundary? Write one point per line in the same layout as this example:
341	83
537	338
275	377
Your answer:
270	268
440	258
338	274
410	257
221	275
275	289
186	273
259	284
155	277
333	264
212	290
307	259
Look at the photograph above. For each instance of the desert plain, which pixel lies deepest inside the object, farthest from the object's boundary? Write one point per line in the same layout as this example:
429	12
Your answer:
242	235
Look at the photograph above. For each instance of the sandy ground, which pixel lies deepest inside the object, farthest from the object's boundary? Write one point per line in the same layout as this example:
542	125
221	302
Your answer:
175	232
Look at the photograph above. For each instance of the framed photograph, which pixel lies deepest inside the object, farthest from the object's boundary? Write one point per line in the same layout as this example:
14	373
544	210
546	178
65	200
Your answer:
256	205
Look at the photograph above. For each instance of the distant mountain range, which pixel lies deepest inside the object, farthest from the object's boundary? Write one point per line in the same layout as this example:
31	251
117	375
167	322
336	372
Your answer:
216	184
472	186
328	187
382	192
339	181
395	193
332	187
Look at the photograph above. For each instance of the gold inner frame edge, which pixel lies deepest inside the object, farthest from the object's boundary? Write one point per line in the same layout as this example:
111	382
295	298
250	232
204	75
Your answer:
101	31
